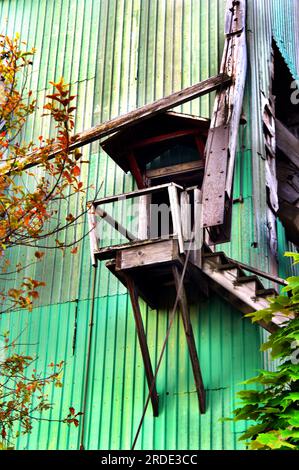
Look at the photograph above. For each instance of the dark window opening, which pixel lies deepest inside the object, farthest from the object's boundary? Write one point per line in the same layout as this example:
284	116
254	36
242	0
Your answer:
165	148
287	145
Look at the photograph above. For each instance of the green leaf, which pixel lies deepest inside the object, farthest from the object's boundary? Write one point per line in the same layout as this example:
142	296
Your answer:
292	255
273	440
293	417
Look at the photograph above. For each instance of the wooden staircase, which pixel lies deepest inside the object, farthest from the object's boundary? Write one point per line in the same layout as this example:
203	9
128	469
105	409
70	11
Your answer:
245	292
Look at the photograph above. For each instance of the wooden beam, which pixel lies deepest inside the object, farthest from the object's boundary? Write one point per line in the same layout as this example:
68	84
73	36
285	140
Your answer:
116	225
176	215
287	143
190	341
223	135
143	345
139	115
144	217
195	255
132	194
135	170
109	252
150	110
153	255
180	168
164	137
186	215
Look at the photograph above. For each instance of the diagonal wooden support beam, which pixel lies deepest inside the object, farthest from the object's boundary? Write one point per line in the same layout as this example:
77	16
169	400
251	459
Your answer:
190	341
143	344
138	115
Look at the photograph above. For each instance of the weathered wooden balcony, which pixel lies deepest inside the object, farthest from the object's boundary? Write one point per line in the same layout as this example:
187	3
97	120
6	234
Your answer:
158	245
149	263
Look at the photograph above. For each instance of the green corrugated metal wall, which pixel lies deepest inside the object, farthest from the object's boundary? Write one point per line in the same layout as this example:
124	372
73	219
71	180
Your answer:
228	351
120	54
286	32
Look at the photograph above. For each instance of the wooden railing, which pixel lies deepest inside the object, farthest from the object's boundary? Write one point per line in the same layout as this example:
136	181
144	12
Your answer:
184	206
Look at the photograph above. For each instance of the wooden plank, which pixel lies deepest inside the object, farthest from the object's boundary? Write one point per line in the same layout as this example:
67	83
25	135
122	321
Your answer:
287	143
143	345
190	340
175	169
135	170
109	252
147	255
116	225
223	136
195	255
176	215
237	68
92	224
186	215
164	137
132	194
215	176
139	115
144	217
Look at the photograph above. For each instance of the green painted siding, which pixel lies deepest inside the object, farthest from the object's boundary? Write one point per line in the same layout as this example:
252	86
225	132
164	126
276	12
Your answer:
285	14
227	346
120	54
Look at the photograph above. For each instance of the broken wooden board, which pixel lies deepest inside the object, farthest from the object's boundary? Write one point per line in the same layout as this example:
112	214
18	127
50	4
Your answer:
137	115
217	190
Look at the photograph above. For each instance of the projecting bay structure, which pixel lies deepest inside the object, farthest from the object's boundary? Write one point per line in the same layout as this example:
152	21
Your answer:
188	115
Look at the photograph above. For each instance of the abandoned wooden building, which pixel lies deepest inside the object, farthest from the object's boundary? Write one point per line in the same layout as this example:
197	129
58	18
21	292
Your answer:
188	115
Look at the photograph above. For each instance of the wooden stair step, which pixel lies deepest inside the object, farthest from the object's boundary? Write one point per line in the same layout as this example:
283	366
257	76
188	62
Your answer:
247	279
266	293
226	267
217	254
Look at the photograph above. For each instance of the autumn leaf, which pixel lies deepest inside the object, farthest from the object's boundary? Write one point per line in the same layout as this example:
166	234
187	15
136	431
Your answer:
70	218
76	171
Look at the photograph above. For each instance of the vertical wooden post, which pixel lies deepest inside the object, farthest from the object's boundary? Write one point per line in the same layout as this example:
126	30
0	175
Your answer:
135	170
190	341
144	217
195	255
176	215
186	215
92	223
143	344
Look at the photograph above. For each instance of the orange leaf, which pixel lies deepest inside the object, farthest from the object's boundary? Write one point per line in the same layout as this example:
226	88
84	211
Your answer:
76	171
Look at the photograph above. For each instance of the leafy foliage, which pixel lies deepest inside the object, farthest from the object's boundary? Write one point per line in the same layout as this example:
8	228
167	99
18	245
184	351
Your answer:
20	384
28	205
275	408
